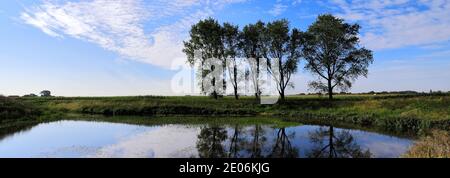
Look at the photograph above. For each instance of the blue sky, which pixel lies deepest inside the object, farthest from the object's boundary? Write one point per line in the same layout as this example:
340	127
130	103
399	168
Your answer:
126	47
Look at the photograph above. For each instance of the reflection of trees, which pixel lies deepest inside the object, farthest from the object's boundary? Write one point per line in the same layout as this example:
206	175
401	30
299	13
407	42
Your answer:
242	143
329	144
236	143
210	142
9	130
252	142
247	143
283	147
255	146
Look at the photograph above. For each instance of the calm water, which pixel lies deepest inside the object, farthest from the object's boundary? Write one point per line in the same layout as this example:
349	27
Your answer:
103	139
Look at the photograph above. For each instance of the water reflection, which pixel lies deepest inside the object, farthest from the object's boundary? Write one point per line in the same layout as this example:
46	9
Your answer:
236	142
101	139
283	147
330	144
258	140
210	142
10	130
324	142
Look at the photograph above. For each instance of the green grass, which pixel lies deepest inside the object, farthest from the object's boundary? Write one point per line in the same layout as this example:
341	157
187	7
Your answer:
392	112
14	109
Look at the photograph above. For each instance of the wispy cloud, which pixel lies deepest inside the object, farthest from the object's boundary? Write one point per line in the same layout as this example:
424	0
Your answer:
399	23
296	2
118	25
278	9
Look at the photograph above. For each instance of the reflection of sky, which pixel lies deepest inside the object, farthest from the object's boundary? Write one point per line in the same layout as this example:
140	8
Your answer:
162	142
65	138
101	139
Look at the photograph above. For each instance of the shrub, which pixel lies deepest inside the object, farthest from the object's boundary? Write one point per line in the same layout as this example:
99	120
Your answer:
11	108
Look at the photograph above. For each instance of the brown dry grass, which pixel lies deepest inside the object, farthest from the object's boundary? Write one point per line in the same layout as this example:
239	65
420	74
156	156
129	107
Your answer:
436	145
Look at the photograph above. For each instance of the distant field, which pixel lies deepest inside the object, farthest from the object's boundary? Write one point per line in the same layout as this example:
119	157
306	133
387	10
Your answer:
393	112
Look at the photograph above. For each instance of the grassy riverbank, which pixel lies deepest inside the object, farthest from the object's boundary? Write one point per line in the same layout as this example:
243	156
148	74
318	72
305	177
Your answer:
15	109
392	112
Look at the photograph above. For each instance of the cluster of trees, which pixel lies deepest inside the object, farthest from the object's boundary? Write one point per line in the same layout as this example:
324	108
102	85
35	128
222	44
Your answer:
330	48
44	93
407	92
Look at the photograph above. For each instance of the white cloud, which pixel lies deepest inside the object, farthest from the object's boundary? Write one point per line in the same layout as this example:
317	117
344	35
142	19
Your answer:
118	25
399	23
296	2
278	9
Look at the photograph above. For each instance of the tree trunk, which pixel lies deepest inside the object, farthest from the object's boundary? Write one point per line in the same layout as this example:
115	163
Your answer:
281	84
257	79
215	95
282	96
224	74
330	90
214	86
257	95
235	83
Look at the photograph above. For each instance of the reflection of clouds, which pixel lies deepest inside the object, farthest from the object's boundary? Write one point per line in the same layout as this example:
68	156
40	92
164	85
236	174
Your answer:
385	149
163	142
71	151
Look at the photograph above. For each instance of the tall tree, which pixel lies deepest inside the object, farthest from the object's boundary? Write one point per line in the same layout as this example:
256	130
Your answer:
285	51
254	47
332	53
205	43
231	42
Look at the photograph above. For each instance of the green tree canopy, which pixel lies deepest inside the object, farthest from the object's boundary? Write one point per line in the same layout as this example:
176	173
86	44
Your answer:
254	45
332	52
284	49
205	43
231	41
